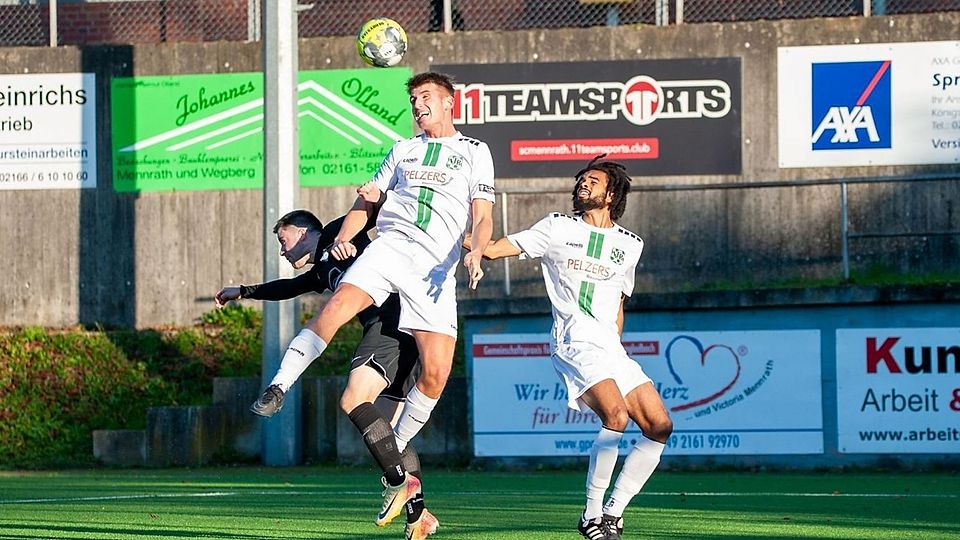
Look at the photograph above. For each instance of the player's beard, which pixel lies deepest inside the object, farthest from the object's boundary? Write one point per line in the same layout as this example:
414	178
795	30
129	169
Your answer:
592	203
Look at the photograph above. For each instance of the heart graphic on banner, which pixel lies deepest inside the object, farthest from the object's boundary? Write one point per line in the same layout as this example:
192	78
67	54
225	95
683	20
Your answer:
716	352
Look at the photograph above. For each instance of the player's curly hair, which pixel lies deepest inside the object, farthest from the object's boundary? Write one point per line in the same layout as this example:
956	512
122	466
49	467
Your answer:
618	183
439	79
299	218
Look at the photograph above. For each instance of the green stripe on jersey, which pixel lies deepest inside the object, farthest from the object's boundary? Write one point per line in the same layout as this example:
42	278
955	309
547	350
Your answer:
595	246
585	300
424	208
433	154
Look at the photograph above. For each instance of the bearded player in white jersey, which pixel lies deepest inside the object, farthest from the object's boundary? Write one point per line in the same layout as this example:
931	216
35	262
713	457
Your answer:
426	190
588	264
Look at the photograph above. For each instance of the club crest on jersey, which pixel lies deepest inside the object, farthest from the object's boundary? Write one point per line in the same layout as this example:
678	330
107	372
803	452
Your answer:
454	163
851	105
617	255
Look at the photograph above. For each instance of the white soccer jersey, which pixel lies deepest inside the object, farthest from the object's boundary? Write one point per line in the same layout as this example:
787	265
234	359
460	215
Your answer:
430	185
586	270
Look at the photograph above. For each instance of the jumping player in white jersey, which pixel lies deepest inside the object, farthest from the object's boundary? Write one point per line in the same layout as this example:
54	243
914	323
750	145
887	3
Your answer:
588	264
426	191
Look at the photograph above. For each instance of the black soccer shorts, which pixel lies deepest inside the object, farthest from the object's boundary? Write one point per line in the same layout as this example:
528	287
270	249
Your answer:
392	353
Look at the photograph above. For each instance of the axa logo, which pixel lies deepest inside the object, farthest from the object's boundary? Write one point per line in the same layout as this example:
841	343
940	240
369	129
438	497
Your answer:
640	100
851	105
910	359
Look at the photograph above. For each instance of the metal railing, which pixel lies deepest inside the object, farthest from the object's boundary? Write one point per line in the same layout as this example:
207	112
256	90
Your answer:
846	235
88	22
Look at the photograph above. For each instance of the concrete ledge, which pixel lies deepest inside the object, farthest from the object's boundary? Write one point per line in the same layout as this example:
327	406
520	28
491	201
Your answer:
752	298
120	447
194	436
241	428
184	436
321	412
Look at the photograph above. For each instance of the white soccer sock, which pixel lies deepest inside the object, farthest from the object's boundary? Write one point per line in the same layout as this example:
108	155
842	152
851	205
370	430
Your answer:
637	468
303	350
416	412
603	459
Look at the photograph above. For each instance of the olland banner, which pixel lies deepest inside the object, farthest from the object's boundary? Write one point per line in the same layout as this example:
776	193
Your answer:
745	392
660	117
194	132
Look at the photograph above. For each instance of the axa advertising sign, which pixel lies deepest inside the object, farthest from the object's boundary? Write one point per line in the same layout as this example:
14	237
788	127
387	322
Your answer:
651	114
898	390
878	104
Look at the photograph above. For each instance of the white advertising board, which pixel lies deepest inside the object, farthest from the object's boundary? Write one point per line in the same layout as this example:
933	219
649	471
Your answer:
751	392
878	104
898	390
48	131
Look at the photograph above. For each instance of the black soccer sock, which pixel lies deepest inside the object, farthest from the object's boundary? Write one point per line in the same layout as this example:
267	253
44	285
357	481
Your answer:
415	508
411	462
379	439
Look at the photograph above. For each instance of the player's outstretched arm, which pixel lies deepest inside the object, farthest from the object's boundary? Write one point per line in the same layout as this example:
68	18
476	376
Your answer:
497	249
278	289
482	231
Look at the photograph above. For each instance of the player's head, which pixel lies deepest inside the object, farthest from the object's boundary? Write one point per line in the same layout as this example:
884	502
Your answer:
298	233
601	184
431	99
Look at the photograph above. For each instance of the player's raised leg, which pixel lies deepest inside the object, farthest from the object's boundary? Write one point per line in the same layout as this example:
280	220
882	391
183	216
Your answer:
310	343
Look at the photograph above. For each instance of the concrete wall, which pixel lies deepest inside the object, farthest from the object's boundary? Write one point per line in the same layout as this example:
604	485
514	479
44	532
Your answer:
95	256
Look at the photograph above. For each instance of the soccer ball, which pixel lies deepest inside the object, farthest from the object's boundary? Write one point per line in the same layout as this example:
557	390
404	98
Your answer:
381	42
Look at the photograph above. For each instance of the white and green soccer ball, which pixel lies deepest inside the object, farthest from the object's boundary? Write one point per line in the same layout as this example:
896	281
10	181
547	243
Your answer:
381	42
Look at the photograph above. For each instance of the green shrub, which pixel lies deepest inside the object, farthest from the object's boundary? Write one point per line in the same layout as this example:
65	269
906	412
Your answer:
57	386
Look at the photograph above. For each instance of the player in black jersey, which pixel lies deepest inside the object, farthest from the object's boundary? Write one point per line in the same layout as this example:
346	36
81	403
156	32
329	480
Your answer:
385	365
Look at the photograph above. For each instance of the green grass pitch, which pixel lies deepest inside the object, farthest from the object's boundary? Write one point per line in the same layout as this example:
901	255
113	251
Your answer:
339	503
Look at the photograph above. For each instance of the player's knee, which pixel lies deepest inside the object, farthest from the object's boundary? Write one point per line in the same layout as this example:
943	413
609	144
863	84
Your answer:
335	313
615	417
434	378
348	402
661	429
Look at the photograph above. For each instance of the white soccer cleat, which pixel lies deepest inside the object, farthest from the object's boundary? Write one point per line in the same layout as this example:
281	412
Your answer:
395	497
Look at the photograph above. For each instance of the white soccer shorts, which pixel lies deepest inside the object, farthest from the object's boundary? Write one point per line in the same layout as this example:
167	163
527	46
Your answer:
582	365
428	296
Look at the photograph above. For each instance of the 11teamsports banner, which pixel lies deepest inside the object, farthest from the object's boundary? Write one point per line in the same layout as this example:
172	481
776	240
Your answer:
898	390
654	115
48	131
193	132
878	104
744	392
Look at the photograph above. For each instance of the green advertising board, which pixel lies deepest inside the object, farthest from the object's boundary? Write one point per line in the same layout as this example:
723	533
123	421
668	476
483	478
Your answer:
193	132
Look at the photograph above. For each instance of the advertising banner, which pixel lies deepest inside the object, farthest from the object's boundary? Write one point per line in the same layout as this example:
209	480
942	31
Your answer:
752	392
192	132
898	390
879	104
659	117
48	131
